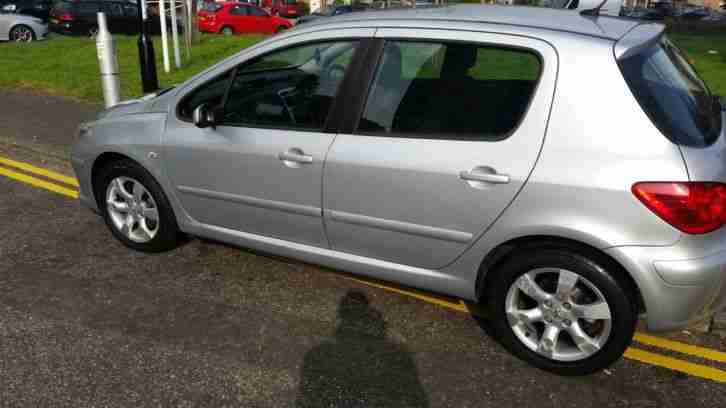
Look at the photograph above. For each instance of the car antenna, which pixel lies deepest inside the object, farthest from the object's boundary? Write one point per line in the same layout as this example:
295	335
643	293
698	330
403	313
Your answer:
595	11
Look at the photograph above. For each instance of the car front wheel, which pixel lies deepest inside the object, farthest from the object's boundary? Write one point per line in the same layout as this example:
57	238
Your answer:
562	311
135	208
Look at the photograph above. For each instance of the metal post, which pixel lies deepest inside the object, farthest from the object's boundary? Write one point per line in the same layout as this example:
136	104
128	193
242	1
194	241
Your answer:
147	58
164	42
175	34
107	62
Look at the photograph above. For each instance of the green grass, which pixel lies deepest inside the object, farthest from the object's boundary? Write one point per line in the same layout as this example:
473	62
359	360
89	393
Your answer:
712	67
68	66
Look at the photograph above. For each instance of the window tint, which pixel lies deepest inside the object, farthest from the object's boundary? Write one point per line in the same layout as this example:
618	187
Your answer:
211	93
211	7
254	11
672	94
238	10
293	88
88	8
112	9
450	90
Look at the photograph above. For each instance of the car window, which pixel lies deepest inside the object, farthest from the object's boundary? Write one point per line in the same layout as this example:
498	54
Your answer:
673	95
238	10
450	91
131	10
88	8
211	94
254	11
292	89
112	9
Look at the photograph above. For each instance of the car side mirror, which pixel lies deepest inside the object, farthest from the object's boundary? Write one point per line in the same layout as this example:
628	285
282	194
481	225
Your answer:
203	116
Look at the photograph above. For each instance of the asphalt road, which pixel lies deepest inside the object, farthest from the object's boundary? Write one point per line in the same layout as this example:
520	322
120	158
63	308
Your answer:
87	322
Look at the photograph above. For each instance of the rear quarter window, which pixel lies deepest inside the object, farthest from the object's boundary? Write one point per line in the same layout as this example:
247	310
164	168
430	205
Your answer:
673	95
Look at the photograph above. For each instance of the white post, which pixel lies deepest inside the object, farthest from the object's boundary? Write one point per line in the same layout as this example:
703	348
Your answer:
107	63
175	35
164	43
188	27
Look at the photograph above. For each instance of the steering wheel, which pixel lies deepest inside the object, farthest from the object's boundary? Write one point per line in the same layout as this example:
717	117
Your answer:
335	71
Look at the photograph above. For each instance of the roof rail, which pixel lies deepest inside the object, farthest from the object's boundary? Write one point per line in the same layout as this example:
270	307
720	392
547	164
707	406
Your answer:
595	11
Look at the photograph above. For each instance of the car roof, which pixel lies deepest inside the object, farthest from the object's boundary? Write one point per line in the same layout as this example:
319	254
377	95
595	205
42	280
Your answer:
568	21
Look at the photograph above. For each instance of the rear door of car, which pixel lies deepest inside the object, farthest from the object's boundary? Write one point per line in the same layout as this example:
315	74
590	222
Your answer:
440	144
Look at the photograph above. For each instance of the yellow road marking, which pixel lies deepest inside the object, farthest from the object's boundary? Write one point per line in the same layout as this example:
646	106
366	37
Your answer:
632	353
39	171
647	357
709	354
36	182
675	364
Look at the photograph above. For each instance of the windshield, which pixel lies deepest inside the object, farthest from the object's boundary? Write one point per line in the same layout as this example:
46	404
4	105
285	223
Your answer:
289	2
673	95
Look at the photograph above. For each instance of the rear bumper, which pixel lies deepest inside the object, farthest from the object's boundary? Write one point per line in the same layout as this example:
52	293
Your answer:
678	290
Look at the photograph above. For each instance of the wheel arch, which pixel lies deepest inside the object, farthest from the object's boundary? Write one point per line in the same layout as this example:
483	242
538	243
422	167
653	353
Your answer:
16	25
502	252
102	160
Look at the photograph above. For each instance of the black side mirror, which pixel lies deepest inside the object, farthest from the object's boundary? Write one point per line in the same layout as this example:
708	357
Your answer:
204	117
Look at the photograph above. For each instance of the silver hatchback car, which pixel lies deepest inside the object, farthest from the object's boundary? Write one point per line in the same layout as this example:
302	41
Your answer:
565	170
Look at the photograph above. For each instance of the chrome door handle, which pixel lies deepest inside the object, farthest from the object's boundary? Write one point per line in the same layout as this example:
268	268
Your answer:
295	157
493	178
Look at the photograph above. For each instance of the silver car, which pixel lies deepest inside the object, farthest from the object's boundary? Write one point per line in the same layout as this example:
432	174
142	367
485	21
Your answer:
21	28
566	171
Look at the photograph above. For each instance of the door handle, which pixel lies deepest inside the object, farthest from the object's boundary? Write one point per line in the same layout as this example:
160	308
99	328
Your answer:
492	178
295	156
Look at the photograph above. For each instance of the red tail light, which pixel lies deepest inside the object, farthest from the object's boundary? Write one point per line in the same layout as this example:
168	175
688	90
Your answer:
66	17
692	207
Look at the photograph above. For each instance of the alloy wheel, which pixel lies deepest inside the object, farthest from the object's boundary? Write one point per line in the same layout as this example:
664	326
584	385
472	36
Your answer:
21	34
558	314
132	209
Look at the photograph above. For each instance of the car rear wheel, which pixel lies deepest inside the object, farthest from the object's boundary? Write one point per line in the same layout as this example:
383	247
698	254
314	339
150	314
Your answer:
561	311
227	31
22	33
135	208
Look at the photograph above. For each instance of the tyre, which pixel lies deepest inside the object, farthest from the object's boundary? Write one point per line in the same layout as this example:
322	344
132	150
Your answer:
280	29
135	208
561	311
227	31
22	33
93	32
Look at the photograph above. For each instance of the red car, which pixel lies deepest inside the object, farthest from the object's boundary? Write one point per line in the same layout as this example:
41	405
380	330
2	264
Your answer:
235	18
285	8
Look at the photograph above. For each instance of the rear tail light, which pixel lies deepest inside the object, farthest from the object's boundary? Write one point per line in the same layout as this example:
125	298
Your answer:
692	207
66	17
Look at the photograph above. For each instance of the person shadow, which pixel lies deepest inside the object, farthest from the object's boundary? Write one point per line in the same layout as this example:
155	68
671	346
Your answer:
359	366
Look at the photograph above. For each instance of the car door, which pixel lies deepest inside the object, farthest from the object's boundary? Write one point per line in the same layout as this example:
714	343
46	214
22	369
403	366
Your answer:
260	20
450	130
260	169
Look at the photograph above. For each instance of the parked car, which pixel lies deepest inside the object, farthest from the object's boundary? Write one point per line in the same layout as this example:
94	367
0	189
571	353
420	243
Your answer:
237	18
79	17
333	11
695	14
416	155
35	8
21	28
286	8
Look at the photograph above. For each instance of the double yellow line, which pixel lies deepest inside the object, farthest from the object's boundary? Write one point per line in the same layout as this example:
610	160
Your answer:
68	186
28	175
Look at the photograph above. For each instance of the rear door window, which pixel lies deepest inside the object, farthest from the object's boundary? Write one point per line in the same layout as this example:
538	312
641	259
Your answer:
673	95
450	90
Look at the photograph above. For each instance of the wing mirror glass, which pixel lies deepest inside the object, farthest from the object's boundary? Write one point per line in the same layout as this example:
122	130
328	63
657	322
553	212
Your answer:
204	116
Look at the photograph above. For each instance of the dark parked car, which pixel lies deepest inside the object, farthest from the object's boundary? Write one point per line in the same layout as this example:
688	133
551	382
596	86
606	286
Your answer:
35	8
79	17
331	11
695	14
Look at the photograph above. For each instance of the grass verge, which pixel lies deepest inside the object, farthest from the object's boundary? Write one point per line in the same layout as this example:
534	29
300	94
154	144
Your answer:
67	65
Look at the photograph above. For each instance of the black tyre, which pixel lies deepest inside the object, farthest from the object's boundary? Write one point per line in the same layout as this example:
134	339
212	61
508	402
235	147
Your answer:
280	29
22	33
135	208
227	30
93	31
562	311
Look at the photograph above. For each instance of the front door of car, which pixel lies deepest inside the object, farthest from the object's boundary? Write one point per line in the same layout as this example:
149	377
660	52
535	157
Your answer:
259	170
450	130
259	20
